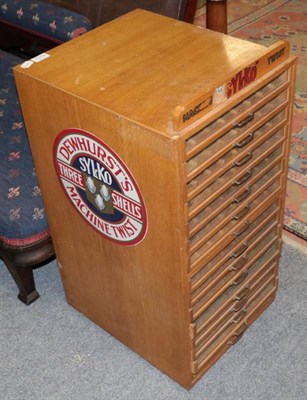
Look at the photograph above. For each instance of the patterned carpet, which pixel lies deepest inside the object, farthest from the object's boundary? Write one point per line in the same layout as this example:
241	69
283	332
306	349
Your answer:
265	22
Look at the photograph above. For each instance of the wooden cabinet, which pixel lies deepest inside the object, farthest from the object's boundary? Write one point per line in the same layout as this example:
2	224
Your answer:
162	160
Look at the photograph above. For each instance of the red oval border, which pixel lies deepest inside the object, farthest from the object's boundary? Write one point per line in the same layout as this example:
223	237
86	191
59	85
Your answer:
68	131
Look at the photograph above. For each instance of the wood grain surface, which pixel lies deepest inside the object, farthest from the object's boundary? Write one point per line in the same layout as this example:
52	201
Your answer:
213	189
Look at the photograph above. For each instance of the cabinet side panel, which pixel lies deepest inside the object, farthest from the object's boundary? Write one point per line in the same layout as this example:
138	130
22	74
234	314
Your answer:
134	292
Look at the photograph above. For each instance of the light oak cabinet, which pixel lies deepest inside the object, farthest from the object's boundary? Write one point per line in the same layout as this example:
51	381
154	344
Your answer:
162	150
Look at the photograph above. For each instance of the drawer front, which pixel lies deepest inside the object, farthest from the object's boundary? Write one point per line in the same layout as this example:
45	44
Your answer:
229	326
215	159
233	272
238	230
234	185
238	116
234	257
225	289
232	182
230	217
234	327
234	200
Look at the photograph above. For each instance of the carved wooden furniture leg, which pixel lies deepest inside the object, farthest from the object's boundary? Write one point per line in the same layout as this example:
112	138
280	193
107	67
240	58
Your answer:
217	15
24	280
20	263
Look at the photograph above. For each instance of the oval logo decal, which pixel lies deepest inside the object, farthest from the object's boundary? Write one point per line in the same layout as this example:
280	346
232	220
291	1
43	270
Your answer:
100	186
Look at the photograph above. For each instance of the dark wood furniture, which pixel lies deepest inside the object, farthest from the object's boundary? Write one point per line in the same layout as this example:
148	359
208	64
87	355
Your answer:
21	260
101	11
25	241
217	15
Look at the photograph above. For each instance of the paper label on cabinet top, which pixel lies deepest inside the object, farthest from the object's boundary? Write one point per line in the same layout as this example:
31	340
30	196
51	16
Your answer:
40	57
100	186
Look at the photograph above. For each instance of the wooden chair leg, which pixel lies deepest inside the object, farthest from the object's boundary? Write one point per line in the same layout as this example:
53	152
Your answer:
190	11
20	261
217	15
24	279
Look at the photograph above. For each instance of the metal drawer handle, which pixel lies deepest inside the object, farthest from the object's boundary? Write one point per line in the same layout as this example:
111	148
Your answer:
234	339
244	160
244	178
240	304
242	329
243	212
239	317
244	121
240	332
240	251
244	142
243	294
244	228
240	279
237	336
239	264
242	196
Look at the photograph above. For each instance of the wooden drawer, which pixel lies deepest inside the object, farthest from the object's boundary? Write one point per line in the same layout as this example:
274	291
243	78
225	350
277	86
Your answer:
235	300
204	298
234	324
231	216
239	228
231	183
235	245
201	365
233	200
233	254
230	318
219	156
234	270
230	119
229	168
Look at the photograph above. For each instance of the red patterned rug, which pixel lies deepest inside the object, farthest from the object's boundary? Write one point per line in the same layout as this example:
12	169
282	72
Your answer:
265	22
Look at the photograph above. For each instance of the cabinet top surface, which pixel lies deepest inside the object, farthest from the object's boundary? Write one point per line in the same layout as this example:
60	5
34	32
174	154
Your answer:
143	65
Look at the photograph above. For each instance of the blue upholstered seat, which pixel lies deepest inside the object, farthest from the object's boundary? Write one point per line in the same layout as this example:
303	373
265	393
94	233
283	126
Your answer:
22	214
25	240
44	19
